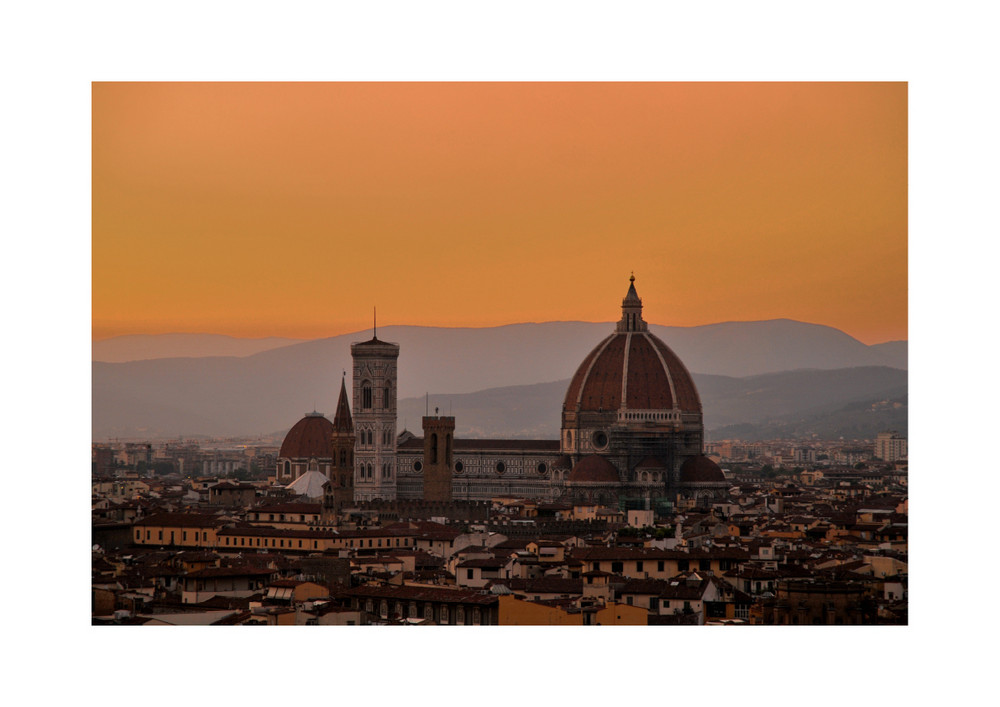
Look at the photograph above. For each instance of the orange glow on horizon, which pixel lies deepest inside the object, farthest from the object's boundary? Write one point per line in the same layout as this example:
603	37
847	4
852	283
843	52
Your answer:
292	209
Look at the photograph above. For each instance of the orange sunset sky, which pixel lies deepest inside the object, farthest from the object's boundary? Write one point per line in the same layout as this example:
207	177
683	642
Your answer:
292	209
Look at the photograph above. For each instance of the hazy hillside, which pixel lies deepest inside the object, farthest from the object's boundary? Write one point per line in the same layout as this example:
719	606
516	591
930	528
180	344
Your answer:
757	399
895	352
270	390
533	411
862	419
141	347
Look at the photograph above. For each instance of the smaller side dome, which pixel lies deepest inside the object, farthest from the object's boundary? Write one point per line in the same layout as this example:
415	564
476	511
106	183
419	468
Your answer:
594	469
312	436
700	470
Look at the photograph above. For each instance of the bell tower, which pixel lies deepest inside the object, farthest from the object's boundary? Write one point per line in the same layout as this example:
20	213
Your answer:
374	383
439	438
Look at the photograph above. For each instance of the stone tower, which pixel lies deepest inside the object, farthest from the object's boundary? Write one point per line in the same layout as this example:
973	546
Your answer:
374	381
342	469
439	438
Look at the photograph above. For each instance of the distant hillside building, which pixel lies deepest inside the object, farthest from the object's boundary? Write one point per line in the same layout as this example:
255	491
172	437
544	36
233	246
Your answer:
890	446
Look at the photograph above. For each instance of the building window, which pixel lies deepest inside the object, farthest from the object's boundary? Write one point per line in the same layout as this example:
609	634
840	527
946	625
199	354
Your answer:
386	394
366	395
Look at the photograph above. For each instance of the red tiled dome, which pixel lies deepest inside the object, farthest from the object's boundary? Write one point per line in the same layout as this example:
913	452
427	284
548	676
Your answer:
312	436
638	366
594	468
700	469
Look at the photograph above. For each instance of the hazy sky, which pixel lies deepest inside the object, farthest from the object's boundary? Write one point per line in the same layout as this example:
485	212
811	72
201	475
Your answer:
292	209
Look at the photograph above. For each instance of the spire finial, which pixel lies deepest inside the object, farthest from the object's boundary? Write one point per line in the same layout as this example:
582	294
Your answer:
632	279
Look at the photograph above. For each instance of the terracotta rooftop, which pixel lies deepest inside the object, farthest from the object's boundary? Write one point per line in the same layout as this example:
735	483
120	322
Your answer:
411	593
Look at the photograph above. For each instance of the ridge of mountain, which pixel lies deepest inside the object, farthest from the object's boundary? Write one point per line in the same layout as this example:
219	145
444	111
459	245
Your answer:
141	347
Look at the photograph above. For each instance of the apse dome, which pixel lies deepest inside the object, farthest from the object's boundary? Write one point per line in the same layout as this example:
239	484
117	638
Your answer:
700	470
594	469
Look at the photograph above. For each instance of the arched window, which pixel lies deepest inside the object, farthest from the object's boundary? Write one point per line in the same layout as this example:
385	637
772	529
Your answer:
343	457
386	395
434	448
366	395
447	449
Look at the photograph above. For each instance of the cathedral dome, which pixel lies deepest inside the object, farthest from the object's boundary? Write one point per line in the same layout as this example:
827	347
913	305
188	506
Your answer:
699	470
632	370
310	437
594	469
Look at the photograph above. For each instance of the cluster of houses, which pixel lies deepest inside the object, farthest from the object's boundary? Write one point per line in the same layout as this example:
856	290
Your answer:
807	549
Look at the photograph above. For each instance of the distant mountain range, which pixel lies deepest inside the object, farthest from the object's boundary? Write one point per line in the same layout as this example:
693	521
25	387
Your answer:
142	347
500	381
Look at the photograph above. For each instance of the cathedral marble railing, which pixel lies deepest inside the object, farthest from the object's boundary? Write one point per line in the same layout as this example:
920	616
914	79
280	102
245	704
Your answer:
649	416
